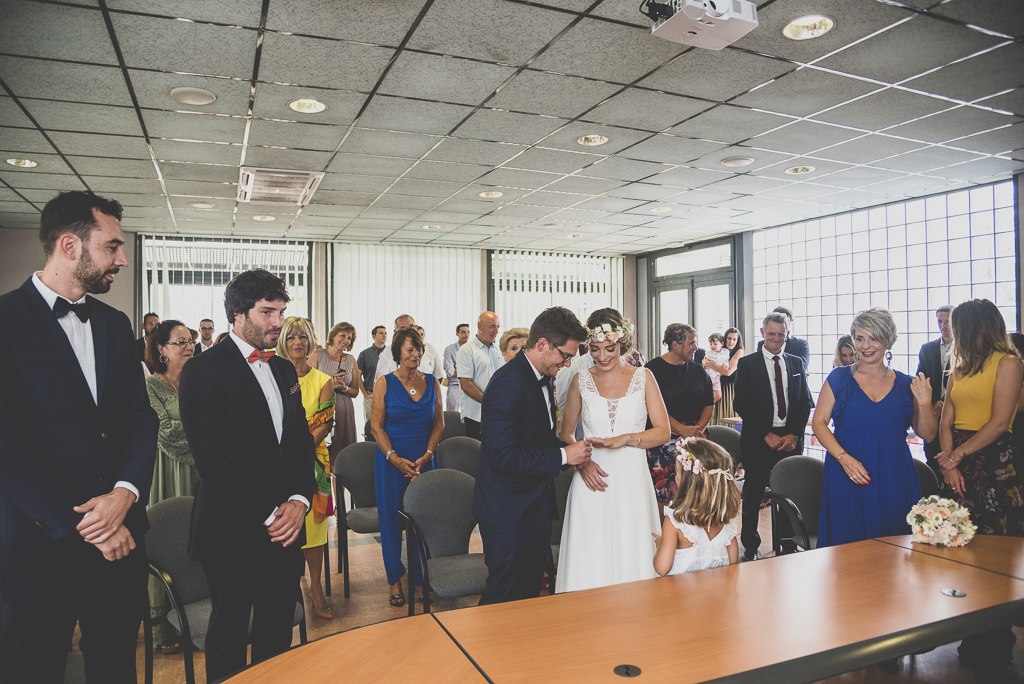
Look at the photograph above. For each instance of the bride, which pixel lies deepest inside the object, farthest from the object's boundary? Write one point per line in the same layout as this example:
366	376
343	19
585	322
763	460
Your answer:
612	511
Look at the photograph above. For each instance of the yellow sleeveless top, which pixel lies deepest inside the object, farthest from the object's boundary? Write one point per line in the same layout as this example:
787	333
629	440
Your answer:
972	396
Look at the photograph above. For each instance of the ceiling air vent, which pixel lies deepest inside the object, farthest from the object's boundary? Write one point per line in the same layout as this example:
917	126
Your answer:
278	186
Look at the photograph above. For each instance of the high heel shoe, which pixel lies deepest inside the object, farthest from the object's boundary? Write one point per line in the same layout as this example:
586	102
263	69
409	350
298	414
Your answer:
324	613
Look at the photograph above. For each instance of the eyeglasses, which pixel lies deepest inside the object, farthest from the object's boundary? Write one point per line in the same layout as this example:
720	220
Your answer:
181	343
206	329
565	357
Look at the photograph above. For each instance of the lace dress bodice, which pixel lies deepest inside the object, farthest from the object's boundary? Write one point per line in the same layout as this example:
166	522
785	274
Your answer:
610	417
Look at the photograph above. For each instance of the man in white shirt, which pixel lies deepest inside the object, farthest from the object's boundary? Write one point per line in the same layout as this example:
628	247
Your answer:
430	363
477	360
206	330
74	476
453	401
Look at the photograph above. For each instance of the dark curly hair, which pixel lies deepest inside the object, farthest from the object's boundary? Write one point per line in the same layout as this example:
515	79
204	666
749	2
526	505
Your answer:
557	325
160	336
71	212
249	287
411	334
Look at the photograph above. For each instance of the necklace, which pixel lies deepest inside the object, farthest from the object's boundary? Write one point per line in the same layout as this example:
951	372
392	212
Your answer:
412	392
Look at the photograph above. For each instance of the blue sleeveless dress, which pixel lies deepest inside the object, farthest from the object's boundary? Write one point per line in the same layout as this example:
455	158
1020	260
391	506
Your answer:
874	434
408	424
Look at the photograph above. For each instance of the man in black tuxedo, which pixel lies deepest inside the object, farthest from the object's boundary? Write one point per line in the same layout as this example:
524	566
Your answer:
520	456
934	362
774	401
794	345
77	448
242	412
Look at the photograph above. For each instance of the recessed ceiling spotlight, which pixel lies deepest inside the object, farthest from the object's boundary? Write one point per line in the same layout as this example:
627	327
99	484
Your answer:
733	162
797	170
661	210
491	194
807	27
574	236
432	227
193	96
552	225
307	106
591	140
264	218
24	163
202	205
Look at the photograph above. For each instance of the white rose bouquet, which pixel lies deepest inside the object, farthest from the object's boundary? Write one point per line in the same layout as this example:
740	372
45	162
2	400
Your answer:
942	522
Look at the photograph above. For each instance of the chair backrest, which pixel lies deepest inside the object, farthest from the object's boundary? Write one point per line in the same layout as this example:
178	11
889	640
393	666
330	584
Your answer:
562	484
366	432
459	453
727	438
453	425
798	478
167	547
929	483
441	503
354	470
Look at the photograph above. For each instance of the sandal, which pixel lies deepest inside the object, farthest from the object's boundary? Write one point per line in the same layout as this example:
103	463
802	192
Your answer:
419	596
396	600
170	649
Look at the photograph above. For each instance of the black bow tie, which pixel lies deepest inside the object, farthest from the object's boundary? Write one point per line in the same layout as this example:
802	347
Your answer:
61	307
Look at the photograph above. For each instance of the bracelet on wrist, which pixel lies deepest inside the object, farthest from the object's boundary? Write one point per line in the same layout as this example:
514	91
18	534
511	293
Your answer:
839	457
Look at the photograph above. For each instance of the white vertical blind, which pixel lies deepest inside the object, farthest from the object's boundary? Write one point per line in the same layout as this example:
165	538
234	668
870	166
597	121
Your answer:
526	283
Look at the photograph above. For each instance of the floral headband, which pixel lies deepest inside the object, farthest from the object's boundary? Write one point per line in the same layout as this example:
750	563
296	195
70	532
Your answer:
606	332
691	464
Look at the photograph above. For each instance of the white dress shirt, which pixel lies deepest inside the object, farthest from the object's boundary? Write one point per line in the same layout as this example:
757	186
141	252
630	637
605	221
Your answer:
548	399
944	352
477	362
80	336
272	393
203	346
770	363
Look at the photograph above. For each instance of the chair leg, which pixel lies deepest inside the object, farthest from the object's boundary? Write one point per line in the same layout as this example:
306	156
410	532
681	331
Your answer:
190	672
410	570
147	627
327	567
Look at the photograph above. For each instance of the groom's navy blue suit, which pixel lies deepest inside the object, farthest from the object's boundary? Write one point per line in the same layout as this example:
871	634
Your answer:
514	498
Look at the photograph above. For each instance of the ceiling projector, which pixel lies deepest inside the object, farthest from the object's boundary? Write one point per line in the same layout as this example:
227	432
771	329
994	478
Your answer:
710	24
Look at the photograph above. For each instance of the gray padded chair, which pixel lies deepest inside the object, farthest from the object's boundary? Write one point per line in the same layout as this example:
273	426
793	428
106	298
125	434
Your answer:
459	453
562	484
453	425
929	482
184	582
729	439
795	490
439	522
353	469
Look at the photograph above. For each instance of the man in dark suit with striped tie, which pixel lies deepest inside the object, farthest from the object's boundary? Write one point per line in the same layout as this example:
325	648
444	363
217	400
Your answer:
934	361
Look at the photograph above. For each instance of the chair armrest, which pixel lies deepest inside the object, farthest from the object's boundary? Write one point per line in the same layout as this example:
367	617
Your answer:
793	511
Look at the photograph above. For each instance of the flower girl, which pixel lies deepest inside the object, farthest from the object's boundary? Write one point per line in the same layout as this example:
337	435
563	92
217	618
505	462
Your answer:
701	529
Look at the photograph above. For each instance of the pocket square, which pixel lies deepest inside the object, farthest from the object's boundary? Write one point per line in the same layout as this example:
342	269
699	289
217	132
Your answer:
294	389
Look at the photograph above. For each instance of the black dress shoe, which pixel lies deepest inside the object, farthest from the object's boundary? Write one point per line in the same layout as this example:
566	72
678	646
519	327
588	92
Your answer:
751	555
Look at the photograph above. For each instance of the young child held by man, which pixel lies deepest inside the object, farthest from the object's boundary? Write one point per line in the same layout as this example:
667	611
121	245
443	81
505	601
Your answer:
719	355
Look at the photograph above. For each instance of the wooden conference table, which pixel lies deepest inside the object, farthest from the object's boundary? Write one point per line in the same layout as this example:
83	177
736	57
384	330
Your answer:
795	618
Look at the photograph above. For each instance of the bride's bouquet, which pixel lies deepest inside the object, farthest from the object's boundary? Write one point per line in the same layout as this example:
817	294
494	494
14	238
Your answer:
942	522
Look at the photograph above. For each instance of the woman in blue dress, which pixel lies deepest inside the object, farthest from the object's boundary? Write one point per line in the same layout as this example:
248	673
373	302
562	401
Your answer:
870	481
406	418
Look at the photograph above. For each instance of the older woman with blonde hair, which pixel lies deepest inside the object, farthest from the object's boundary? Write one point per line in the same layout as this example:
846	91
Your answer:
512	341
870	481
295	343
334	360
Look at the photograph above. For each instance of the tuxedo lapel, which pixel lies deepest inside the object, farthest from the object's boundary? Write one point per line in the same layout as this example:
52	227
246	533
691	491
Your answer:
539	404
99	346
42	319
285	391
238	366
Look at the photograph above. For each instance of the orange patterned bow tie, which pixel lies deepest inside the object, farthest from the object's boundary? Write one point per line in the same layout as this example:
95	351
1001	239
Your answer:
263	356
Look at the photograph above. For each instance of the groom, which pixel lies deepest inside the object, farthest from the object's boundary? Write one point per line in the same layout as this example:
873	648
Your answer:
514	499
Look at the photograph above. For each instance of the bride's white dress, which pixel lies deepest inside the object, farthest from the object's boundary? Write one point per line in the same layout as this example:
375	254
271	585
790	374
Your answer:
606	536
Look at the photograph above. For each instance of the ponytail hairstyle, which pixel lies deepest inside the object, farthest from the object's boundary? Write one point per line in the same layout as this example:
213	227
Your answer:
707	494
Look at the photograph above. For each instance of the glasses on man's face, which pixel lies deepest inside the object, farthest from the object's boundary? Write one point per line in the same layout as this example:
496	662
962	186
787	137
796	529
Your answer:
182	343
565	356
206	329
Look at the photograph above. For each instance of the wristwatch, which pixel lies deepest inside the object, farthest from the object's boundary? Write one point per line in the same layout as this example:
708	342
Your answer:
431	453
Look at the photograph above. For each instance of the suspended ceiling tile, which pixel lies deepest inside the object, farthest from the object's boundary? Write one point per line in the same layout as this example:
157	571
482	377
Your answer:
552	94
197	189
85	118
48	163
272	103
868	148
11	114
322	221
553	199
625	169
344	197
820	166
626	219
670	149
909	49
620	10
182	214
798	191
384	22
106	185
994	15
200	172
977	77
425	188
169	45
136	200
413	116
299	135
476	209
751	203
854	198
884	109
377	212
642	191
444	217
318	62
241	12
196	152
803	137
146	212
746	184
1004	139
317	208
370	165
762	158
687	177
286	159
855	19
48	181
625	54
149	225
502	126
57	32
449	79
493	223
472	192
447	171
376	224
574	214
473	151
952	124
64	81
153	90
805	92
355	182
385	143
524	211
715	75
27	140
921	161
220	228
538	159
646	109
97	166
480	29
729	124
585	185
859	176
981	168
612	204
194	126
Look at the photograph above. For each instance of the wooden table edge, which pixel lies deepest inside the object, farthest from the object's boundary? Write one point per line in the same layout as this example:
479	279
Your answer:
926	549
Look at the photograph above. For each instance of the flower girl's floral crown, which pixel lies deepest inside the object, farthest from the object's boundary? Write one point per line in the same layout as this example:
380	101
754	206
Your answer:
691	463
606	332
